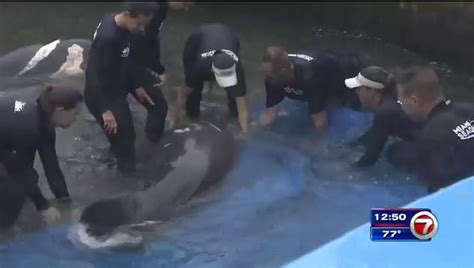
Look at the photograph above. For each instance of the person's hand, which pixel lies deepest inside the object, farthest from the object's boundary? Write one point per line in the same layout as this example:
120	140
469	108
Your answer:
163	78
50	215
258	126
110	124
243	136
159	78
143	96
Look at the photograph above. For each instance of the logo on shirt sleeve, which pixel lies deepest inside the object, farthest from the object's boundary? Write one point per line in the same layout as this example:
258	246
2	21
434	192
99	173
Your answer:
19	106
465	130
95	32
302	56
291	90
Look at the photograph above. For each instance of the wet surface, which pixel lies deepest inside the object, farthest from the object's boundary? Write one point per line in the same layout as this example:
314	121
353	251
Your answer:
288	192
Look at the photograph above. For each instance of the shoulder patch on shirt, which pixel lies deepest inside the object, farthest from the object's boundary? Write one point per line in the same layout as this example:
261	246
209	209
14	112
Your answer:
126	51
465	130
19	106
301	56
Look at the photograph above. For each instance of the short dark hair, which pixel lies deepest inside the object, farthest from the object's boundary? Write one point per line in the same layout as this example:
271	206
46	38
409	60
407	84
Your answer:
277	56
140	8
53	97
420	81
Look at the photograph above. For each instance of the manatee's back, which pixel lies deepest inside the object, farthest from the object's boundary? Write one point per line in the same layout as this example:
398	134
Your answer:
199	158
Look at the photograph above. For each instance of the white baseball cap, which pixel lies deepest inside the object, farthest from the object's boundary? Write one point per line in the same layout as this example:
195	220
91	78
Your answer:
373	77
224	69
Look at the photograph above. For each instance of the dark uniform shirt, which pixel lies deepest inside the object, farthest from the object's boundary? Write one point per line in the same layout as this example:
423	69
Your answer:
145	52
445	145
198	52
318	76
152	33
25	129
389	120
106	73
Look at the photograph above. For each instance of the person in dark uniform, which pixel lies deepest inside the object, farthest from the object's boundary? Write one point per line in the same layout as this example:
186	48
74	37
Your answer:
149	40
212	53
442	152
315	78
110	77
147	70
26	128
376	90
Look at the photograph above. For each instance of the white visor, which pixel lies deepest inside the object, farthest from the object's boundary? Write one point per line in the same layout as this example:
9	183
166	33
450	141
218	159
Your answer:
225	77
360	80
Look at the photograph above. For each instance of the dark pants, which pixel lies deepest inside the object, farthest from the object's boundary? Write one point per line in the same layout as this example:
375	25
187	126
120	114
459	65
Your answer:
193	103
21	181
122	144
12	198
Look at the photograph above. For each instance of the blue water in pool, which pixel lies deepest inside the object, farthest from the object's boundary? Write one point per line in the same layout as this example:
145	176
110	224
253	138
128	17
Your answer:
281	200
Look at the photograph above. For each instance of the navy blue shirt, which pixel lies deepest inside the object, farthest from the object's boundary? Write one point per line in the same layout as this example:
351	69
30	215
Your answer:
445	145
24	130
318	76
106	73
152	33
198	52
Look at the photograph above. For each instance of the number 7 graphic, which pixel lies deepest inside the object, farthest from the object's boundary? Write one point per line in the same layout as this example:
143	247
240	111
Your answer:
424	225
428	223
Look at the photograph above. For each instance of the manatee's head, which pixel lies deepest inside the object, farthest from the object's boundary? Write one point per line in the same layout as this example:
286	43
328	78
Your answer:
103	217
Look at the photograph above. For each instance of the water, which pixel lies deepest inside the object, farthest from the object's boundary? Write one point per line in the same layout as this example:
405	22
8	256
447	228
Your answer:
285	197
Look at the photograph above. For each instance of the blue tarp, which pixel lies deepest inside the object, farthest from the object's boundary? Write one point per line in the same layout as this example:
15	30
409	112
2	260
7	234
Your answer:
277	203
453	245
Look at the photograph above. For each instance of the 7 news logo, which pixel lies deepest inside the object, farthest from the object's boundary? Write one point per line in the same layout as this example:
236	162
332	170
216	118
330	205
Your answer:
424	225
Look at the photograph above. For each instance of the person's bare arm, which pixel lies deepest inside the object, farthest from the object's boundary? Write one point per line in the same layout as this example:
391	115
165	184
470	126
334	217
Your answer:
320	121
243	110
183	94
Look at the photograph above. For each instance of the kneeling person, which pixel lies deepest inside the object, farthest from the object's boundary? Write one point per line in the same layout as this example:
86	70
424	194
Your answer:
212	53
442	151
314	78
375	88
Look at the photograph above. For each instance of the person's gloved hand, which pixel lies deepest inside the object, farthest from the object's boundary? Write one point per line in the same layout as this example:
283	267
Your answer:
50	215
